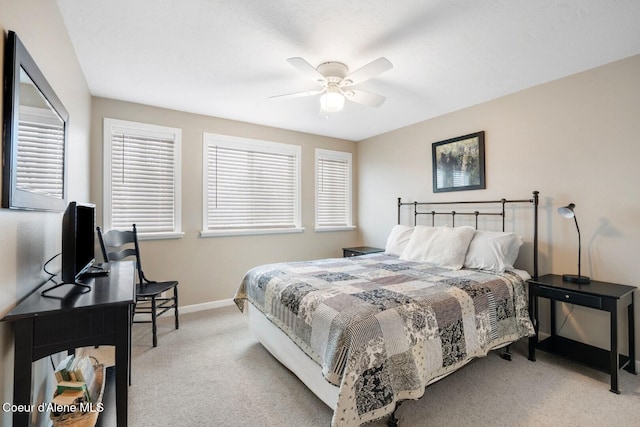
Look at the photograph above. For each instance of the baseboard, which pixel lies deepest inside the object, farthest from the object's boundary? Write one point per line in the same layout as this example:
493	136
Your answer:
193	308
206	306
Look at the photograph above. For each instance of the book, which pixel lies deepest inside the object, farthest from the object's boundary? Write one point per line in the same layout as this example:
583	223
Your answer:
73	386
61	372
85	371
82	369
77	374
69	397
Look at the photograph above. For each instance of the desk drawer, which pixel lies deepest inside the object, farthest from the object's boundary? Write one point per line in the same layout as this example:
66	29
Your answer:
571	297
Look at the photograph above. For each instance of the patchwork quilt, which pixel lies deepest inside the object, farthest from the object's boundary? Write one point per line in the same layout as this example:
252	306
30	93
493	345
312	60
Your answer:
382	328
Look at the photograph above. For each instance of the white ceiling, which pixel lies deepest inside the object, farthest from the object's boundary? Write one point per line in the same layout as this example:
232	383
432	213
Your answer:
225	58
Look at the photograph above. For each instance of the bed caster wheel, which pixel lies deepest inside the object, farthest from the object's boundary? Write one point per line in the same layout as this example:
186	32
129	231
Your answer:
506	353
393	421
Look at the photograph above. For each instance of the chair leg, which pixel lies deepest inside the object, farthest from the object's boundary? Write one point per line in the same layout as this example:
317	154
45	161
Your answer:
175	309
153	321
132	309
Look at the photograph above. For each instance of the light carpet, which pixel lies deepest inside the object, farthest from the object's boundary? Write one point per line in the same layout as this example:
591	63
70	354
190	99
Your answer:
213	372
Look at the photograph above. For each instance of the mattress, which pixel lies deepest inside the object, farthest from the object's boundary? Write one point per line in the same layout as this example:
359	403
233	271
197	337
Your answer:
379	328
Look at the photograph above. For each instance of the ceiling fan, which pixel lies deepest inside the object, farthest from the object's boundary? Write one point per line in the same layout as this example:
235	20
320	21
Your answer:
336	83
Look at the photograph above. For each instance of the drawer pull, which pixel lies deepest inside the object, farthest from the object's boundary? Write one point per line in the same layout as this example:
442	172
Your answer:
567	296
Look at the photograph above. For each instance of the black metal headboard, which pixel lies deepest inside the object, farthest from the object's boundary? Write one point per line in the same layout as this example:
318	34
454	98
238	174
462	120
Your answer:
420	208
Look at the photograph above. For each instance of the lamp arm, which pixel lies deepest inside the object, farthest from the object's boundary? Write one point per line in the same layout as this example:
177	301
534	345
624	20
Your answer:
579	243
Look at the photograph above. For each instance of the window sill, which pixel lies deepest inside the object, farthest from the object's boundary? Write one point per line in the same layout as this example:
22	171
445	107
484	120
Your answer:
223	233
340	228
160	236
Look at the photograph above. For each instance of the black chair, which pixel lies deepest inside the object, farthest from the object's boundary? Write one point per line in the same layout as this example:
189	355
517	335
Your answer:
117	245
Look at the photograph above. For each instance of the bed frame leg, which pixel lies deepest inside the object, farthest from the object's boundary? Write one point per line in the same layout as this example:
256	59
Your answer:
506	354
393	421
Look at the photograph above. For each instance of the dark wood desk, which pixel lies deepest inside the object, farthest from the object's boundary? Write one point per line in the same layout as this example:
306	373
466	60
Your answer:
44	326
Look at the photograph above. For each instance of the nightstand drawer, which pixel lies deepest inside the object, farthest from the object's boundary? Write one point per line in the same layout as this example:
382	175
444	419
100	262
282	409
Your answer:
571	297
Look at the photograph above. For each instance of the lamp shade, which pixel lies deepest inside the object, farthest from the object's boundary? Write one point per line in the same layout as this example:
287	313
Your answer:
332	100
569	212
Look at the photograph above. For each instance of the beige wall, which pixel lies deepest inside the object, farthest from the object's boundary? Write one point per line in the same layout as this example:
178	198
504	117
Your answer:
210	269
574	140
30	238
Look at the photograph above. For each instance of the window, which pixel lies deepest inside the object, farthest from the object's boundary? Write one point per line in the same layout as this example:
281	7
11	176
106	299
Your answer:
333	190
250	186
142	178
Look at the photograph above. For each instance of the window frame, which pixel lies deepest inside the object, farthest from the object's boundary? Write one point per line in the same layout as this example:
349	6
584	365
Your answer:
338	155
211	140
150	130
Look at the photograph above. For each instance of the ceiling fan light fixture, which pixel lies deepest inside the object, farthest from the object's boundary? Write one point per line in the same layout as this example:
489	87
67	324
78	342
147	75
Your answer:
336	83
332	100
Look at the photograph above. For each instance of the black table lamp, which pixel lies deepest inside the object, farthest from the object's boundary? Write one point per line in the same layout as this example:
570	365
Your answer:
568	212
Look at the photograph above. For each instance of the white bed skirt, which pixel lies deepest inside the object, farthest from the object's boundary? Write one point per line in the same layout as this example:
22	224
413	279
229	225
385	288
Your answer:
290	355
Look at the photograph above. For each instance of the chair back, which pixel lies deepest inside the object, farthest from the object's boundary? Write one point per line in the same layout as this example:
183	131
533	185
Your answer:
117	245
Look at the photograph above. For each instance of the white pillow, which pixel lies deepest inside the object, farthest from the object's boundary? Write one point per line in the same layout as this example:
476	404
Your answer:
398	239
442	246
493	250
418	242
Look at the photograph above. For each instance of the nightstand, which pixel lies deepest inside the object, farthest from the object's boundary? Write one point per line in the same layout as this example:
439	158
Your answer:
598	295
360	250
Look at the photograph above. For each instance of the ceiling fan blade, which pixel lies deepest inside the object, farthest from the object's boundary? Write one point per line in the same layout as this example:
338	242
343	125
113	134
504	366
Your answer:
365	98
368	71
298	94
306	68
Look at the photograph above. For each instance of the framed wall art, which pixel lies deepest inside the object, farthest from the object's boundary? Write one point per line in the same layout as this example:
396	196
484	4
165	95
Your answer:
458	163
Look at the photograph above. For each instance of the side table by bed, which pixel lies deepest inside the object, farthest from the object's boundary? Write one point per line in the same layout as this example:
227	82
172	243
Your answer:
359	250
598	295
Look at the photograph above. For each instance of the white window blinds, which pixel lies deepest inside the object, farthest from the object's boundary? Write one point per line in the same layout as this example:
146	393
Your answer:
250	186
333	189
40	165
142	180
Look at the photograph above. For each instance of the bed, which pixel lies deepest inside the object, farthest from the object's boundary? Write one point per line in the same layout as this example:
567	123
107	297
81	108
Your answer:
365	333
